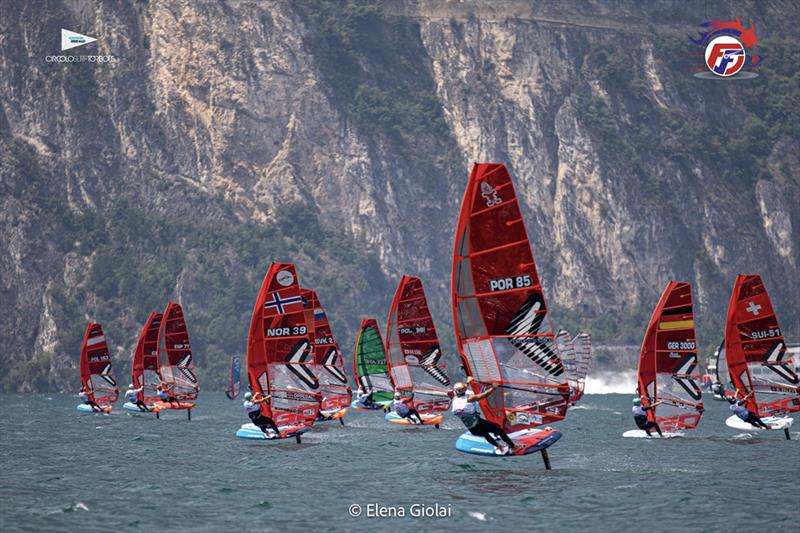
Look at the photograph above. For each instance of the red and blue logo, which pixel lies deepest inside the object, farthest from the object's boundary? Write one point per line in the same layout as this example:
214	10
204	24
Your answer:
726	45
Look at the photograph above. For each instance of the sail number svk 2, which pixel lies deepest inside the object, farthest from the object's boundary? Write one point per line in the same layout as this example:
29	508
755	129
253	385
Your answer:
504	284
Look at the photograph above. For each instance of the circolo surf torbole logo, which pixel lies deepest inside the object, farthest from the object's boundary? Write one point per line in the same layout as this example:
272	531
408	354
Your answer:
728	50
70	40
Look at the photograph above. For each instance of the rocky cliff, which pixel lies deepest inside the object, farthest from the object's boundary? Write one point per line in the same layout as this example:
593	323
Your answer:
339	135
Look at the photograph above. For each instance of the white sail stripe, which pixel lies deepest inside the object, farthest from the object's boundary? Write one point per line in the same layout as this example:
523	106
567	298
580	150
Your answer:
95	340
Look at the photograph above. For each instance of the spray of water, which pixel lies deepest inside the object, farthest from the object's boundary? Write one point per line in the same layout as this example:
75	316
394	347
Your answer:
623	382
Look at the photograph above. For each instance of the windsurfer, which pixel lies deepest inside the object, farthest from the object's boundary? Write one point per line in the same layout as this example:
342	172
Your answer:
132	396
640	417
252	406
738	408
403	410
717	389
163	392
86	399
465	407
365	398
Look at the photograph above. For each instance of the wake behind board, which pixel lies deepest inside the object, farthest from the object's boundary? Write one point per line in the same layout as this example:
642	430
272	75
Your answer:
532	440
134	409
427	419
774	422
642	434
377	406
253	432
84	408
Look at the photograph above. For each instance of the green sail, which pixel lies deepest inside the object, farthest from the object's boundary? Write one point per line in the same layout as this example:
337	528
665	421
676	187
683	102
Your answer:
370	362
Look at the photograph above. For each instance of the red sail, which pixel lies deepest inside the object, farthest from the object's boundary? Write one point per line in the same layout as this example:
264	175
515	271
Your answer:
177	370
668	370
503	332
756	353
280	361
413	352
145	370
328	359
97	375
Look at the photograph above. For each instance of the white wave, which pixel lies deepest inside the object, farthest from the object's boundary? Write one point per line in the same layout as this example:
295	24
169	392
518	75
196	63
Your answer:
611	383
476	515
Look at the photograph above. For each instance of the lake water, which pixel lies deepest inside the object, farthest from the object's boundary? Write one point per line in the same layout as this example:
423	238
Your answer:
63	471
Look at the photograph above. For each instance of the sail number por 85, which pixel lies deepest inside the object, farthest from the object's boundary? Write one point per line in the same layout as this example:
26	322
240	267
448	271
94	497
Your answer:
503	284
683	345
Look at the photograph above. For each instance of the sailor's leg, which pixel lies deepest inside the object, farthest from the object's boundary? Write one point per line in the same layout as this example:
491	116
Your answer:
481	430
497	430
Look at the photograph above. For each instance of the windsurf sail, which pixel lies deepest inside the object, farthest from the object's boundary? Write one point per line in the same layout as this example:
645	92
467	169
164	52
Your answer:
503	333
576	353
280	358
414	355
173	343
146	368
668	369
235	381
369	362
97	375
756	352
328	360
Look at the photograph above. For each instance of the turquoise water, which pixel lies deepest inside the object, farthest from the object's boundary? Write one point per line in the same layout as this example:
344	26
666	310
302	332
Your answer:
63	471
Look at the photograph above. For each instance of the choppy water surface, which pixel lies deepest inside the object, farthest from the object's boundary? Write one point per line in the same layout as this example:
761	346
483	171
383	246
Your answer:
63	471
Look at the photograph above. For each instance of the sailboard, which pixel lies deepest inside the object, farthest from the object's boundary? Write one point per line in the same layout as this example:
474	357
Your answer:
668	370
503	333
280	360
97	374
756	355
234	378
145	371
328	361
414	355
175	357
576	353
369	365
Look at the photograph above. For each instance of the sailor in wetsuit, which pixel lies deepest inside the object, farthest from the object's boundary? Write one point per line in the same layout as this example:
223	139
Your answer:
252	406
465	407
640	417
132	396
738	408
86	399
165	396
404	411
365	398
717	389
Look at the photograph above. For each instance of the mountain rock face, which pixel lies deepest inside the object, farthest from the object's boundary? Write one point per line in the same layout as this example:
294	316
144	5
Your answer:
339	136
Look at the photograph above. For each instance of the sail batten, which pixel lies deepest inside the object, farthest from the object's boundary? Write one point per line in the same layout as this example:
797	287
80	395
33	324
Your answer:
503	330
